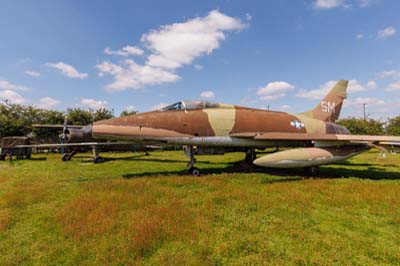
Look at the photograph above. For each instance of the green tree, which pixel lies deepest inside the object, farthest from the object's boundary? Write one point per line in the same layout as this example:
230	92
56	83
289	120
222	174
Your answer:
128	112
48	117
78	116
102	114
359	126
393	126
17	120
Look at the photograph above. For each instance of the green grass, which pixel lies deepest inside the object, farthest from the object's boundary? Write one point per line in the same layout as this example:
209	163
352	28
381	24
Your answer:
136	209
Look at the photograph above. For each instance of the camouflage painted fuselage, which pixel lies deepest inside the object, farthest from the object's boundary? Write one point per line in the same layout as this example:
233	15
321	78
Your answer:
223	121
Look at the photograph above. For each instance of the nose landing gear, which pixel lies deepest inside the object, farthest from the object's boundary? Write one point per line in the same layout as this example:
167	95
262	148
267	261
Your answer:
194	171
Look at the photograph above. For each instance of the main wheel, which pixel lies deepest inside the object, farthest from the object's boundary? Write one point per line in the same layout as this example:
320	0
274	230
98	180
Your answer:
98	160
65	157
194	171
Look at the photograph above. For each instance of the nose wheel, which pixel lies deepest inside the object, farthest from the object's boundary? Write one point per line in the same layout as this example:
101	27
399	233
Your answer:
194	171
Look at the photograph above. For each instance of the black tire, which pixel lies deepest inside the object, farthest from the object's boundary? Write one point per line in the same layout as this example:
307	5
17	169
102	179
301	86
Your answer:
98	160
65	157
194	171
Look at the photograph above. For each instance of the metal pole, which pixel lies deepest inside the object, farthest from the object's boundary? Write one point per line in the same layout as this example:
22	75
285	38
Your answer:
365	117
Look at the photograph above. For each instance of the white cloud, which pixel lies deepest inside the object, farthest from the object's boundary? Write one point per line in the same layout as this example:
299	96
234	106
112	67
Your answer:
125	51
371	85
171	46
179	44
328	4
48	103
285	108
365	100
68	70
318	93
94	104
159	106
133	76
394	86
32	73
130	108
389	74
272	97
6	85
360	36
12	97
274	90
365	3
207	94
386	33
198	67
353	87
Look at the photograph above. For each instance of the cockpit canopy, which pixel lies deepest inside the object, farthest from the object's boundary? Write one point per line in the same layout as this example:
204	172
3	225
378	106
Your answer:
192	105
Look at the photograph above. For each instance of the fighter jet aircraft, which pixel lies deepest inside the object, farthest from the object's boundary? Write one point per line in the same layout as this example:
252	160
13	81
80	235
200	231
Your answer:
216	128
203	127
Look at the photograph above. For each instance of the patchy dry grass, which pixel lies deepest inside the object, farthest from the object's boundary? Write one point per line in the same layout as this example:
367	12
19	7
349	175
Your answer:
5	219
142	210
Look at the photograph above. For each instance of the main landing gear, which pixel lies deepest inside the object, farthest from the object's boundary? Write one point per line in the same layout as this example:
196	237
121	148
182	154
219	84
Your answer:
194	171
68	156
96	155
250	156
311	171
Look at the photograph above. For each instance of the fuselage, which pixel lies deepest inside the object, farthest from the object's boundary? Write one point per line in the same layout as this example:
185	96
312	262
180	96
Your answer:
223	121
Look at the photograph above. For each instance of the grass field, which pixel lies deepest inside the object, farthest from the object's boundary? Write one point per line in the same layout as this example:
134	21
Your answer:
136	209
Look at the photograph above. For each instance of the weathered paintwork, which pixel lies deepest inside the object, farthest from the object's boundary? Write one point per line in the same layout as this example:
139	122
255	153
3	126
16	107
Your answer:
204	124
197	118
211	122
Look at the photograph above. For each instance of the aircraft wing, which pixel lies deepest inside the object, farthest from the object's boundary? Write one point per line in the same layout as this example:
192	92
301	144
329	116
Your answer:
80	144
55	126
320	137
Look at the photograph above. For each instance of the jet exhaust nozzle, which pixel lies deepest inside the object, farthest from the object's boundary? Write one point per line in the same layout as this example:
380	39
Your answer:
74	135
306	157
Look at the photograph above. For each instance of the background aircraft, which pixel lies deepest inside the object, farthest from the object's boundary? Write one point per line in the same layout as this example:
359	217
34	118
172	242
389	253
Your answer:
77	138
215	128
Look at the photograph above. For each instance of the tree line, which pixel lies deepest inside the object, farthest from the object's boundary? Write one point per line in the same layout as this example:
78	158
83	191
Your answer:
17	120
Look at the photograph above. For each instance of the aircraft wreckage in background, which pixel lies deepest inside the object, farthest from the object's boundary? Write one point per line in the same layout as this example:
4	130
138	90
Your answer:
215	128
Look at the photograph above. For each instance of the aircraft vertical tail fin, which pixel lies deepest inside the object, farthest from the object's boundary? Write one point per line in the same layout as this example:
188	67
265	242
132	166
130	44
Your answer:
329	108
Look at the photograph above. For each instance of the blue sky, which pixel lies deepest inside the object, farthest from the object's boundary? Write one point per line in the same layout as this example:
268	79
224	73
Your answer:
129	54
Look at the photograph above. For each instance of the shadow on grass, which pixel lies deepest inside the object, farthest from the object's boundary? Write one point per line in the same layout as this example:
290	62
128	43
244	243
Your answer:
287	175
362	164
38	159
138	158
